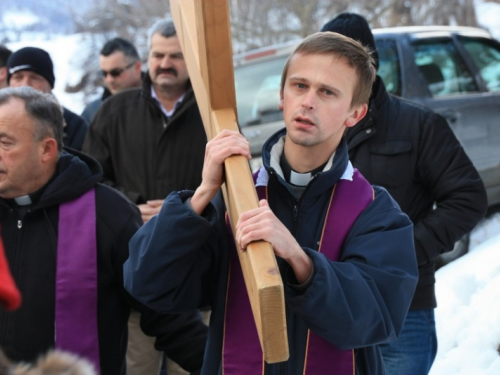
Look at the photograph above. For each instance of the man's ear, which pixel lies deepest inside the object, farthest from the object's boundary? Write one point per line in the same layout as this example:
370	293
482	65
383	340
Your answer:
3	73
358	113
138	66
49	149
280	105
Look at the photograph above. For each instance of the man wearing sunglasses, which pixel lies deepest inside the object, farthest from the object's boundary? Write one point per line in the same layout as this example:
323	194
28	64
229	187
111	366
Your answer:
120	70
150	140
31	66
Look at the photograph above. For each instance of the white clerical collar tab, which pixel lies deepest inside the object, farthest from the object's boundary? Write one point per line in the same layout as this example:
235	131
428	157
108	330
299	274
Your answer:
23	200
300	179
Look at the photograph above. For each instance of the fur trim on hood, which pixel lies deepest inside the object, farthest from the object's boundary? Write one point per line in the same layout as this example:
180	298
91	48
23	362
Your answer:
53	363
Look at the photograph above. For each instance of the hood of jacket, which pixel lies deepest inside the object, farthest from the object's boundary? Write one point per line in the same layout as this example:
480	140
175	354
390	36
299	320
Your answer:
75	174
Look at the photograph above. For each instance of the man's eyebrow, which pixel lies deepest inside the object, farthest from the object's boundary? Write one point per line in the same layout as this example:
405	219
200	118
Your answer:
298	78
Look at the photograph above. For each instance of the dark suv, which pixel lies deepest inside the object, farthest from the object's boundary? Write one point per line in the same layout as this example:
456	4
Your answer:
453	70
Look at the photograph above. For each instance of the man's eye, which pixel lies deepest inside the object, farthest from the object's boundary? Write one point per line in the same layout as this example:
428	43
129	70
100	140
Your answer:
328	92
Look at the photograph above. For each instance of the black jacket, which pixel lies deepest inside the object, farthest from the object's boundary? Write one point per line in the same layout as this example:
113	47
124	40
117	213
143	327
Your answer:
143	153
74	130
414	154
31	247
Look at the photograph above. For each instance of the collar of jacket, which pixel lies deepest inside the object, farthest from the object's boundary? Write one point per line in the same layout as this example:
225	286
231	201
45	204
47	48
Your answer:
105	94
188	100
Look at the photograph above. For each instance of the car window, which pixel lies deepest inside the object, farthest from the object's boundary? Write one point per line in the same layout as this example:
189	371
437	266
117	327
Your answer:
486	55
389	64
257	91
442	68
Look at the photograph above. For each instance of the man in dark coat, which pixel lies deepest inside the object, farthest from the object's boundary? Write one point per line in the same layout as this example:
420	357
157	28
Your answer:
120	70
413	153
150	140
66	238
344	248
31	66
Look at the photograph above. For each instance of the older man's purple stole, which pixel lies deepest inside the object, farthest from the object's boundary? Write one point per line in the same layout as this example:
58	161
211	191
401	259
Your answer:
76	279
242	353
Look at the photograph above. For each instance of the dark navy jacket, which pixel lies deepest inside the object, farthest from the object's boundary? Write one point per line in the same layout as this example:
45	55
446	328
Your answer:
179	261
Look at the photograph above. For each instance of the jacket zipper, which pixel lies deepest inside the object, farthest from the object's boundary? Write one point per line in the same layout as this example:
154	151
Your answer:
295	217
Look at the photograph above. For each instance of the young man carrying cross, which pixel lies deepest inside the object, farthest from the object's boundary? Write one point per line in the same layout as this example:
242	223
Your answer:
344	248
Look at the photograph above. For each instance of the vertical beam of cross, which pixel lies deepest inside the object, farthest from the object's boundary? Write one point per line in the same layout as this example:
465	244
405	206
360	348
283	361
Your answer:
204	31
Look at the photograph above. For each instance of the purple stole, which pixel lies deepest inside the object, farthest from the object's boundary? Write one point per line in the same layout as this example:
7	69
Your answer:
242	353
76	279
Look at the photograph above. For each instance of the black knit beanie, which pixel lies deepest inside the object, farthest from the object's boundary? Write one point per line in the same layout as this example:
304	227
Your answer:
356	27
31	58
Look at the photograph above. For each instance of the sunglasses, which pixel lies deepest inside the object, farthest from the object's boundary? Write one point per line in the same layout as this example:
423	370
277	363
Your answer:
116	72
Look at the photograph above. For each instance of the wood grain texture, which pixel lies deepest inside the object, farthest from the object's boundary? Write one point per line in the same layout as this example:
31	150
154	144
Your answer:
204	32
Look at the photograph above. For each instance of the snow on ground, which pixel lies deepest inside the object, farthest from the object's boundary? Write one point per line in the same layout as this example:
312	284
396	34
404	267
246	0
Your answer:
468	313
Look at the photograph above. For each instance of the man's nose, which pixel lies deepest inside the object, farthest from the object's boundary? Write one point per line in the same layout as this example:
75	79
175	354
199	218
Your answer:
109	78
25	81
166	62
309	100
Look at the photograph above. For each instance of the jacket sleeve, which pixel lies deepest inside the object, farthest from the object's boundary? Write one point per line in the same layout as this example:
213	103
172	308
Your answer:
454	185
181	336
171	265
97	144
363	299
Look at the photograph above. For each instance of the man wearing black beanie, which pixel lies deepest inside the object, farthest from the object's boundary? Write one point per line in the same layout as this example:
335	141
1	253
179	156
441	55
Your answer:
413	153
31	66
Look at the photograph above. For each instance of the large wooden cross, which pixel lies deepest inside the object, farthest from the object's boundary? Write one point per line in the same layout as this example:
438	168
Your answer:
204	32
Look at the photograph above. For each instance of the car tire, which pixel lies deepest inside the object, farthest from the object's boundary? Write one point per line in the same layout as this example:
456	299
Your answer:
461	248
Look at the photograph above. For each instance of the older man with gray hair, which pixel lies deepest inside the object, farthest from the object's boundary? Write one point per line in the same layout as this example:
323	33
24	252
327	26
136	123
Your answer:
66	239
150	140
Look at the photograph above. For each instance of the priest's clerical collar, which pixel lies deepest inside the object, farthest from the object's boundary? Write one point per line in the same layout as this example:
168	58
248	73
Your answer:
33	198
296	178
24	200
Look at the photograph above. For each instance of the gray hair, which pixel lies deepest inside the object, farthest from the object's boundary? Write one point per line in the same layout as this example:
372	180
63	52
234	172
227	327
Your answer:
43	108
165	28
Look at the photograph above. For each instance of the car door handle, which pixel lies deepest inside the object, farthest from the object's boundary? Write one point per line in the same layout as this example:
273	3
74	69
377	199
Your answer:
450	115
